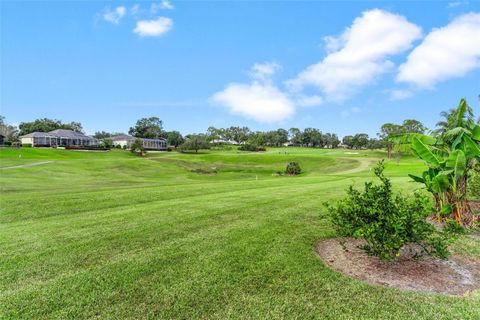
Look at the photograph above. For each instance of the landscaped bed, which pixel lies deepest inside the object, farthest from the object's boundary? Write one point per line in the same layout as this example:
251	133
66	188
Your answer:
459	275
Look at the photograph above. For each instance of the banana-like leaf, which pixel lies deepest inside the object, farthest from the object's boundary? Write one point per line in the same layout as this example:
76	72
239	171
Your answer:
424	152
476	133
472	150
457	162
406	138
446	209
416	178
440	183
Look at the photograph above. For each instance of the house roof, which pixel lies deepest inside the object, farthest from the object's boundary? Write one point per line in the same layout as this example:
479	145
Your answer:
59	133
126	137
38	134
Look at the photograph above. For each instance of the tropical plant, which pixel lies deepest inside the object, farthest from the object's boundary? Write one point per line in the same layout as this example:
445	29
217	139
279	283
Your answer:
137	147
450	154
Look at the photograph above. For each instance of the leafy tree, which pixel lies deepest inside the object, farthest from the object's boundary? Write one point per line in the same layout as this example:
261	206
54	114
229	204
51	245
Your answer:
360	140
107	143
295	136
387	132
175	138
257	138
195	142
331	140
150	128
8	131
348	141
46	125
413	126
281	137
137	147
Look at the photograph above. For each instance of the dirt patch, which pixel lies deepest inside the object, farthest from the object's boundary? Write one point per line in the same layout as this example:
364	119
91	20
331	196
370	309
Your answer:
457	276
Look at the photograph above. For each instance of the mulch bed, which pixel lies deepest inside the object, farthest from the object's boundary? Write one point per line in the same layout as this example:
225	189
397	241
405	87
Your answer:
457	276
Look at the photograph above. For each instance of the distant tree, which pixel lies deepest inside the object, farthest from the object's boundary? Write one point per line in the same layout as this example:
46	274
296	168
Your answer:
101	135
238	134
331	140
348	141
137	147
360	140
107	143
281	137
10	132
150	128
374	143
413	126
257	138
175	138
46	125
295	135
312	137
387	131
195	142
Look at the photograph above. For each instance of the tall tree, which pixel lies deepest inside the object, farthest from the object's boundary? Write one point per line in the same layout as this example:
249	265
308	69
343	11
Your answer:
46	125
387	132
150	128
10	132
175	138
195	142
295	136
413	126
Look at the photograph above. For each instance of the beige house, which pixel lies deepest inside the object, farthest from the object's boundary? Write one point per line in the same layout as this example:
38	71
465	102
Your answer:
58	138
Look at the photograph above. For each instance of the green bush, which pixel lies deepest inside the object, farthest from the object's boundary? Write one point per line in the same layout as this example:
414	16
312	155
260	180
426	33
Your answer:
293	168
387	221
26	145
250	147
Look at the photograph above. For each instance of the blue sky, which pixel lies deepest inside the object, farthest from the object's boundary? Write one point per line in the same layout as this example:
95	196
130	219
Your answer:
343	67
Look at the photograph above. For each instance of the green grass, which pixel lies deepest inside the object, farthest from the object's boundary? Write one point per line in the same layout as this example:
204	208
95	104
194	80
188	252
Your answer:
114	236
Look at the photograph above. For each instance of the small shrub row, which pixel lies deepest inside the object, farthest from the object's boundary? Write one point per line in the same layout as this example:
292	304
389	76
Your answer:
251	147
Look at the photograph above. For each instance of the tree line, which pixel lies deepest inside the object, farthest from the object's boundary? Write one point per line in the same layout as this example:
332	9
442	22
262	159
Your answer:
152	128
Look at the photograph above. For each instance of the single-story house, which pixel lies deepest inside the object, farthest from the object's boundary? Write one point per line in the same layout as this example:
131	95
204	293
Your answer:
126	141
58	138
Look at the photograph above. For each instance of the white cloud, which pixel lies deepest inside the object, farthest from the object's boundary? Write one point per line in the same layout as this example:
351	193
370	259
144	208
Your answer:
359	54
114	16
456	4
257	101
264	71
309	101
399	94
164	5
153	28
448	52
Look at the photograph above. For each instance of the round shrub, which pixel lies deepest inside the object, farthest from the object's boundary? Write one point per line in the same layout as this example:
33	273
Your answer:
293	168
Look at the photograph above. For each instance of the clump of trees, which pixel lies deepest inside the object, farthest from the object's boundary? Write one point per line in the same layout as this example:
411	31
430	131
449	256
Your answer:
149	128
195	142
387	221
46	125
10	132
390	131
452	152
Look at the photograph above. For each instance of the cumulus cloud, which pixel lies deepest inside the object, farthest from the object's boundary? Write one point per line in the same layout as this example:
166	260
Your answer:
448	52
359	54
164	5
114	16
257	101
264	71
153	28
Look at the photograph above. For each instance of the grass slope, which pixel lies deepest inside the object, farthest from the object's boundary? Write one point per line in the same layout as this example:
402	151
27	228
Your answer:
111	235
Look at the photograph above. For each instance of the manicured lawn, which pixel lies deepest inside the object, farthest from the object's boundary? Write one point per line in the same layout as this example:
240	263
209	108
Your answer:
112	235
